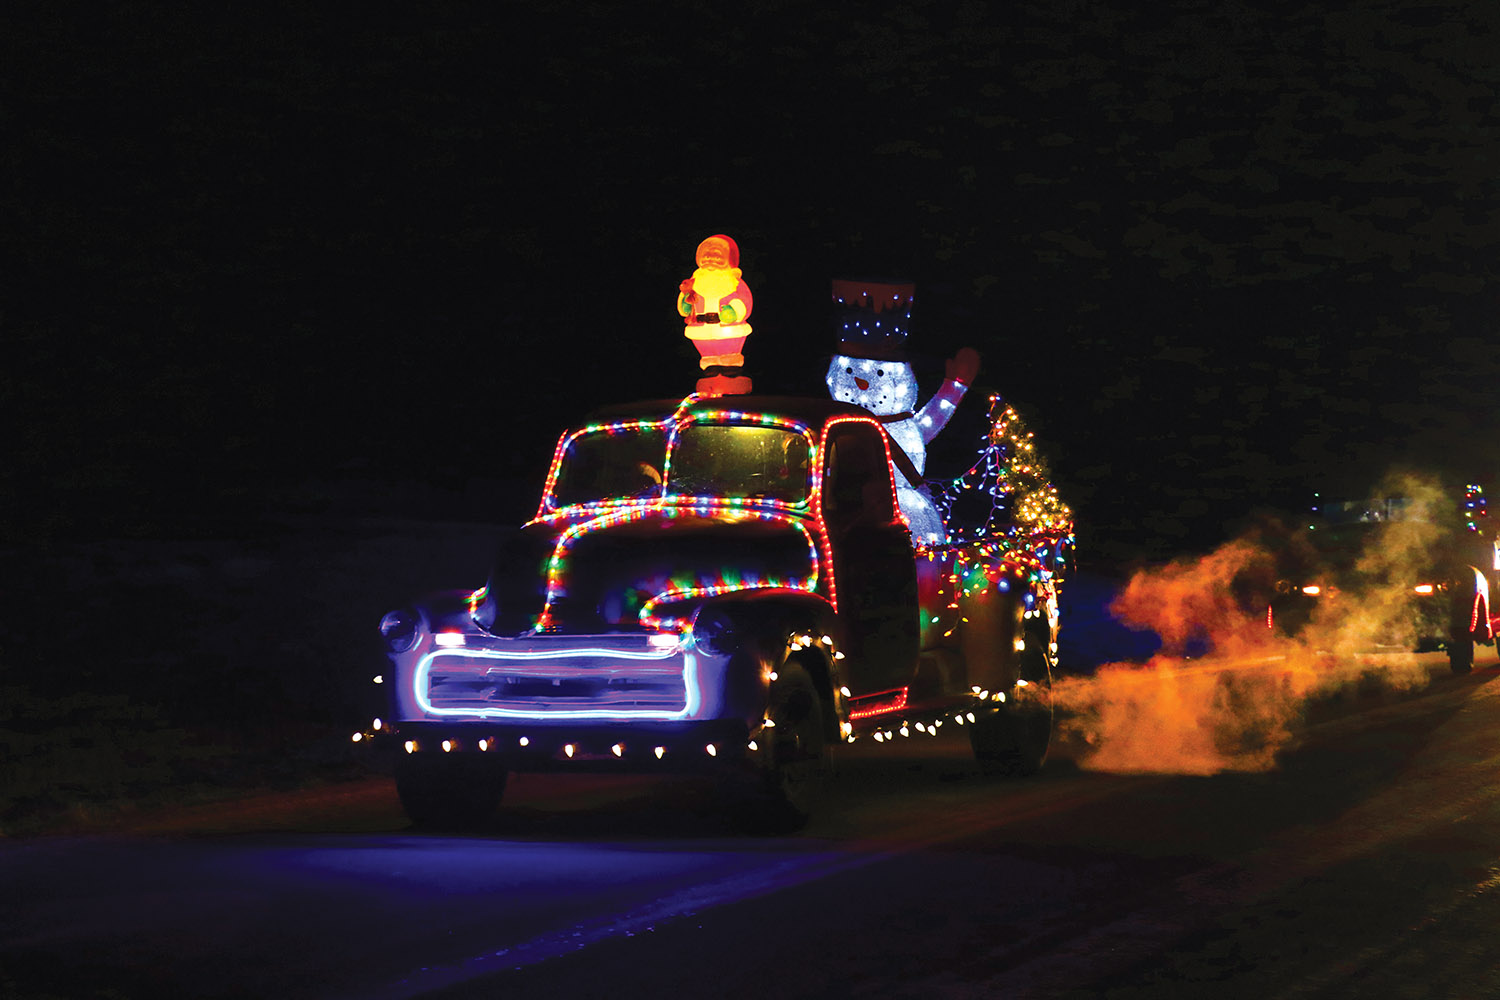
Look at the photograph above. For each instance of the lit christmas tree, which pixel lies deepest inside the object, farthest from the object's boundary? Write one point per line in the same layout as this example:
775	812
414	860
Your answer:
1008	490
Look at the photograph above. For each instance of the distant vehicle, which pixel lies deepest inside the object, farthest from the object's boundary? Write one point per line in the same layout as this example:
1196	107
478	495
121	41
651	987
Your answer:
720	585
1444	598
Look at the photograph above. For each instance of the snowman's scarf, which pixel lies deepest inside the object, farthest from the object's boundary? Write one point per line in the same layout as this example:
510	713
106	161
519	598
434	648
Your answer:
899	458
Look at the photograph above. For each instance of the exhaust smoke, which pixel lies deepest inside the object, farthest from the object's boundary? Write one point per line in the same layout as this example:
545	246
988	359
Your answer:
1233	706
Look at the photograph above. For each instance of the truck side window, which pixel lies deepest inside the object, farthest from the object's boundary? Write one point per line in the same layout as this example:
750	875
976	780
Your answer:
857	477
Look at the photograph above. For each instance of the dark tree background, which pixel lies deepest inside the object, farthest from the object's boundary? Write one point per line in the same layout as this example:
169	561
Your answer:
1219	257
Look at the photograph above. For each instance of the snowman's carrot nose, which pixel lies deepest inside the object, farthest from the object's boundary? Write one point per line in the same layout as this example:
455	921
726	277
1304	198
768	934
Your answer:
862	383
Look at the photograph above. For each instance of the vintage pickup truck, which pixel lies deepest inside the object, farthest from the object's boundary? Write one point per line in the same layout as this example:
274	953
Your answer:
725	585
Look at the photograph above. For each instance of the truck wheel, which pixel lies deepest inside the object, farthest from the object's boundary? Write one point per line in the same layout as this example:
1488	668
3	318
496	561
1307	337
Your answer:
1464	601
1013	738
790	774
452	791
1461	654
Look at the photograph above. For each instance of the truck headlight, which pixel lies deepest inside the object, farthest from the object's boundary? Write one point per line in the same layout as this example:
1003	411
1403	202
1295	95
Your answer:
400	629
714	632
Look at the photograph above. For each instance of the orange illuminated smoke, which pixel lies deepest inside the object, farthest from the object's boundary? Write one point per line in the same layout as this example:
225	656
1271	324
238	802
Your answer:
1228	711
1225	693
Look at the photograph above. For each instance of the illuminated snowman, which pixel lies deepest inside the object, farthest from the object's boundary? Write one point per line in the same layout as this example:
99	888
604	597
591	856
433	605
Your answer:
871	370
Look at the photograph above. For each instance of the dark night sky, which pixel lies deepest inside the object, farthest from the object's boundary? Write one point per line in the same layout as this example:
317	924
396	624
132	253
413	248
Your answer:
1220	258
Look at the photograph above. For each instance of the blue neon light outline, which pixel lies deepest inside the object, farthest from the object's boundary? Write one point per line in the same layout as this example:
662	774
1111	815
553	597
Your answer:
691	704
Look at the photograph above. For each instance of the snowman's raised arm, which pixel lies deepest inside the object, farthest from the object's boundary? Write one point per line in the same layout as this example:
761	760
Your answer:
935	413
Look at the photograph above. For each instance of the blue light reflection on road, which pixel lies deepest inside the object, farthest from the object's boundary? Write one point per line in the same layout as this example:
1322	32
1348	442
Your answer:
368	916
622	886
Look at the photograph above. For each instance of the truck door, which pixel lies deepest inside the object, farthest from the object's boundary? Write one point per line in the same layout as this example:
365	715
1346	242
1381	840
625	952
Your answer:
873	564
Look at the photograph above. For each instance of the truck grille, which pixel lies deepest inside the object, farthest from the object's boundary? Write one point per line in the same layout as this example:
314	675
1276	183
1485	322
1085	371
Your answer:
568	677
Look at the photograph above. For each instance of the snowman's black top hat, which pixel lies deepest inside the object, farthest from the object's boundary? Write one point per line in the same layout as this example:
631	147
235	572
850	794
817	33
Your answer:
872	318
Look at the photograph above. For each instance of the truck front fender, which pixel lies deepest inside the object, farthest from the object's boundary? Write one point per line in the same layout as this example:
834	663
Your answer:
775	627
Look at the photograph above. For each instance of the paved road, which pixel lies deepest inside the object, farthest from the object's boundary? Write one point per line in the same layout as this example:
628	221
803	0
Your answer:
1367	863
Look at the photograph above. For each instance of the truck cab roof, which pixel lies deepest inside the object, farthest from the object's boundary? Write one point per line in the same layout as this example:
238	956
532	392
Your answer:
810	410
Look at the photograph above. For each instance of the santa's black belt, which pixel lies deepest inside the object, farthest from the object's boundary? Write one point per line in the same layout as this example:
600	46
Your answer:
707	317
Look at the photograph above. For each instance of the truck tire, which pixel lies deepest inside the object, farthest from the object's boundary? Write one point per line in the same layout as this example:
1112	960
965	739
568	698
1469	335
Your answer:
1465	604
1461	654
449	791
1013	738
789	771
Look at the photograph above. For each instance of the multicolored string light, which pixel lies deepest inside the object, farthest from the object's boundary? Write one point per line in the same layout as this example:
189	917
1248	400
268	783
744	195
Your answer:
585	518
1012	476
1476	508
1022	540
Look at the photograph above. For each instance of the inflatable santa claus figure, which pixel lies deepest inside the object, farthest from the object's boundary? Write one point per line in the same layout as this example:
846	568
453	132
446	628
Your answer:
714	303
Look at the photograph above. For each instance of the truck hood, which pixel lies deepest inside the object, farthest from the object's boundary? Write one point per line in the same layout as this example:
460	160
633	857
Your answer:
648	568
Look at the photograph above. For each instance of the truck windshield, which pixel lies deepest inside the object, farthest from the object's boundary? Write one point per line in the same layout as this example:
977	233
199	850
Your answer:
725	460
613	464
